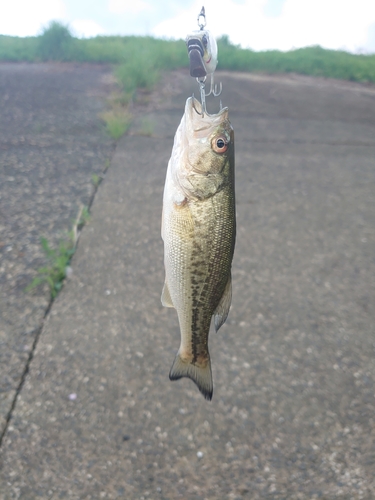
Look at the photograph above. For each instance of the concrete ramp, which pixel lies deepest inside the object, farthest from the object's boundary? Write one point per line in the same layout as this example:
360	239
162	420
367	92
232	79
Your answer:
292	415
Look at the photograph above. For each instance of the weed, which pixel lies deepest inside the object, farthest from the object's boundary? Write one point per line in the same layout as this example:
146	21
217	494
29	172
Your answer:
121	98
59	259
95	179
117	122
54	273
84	217
147	127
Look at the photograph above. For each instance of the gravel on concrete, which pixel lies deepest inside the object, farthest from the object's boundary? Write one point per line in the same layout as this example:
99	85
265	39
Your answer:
51	143
292	415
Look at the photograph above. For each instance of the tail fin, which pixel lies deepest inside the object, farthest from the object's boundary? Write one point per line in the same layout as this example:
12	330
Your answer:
202	377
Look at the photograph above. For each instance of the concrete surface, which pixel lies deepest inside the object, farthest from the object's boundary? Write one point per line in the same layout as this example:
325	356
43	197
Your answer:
292	415
51	143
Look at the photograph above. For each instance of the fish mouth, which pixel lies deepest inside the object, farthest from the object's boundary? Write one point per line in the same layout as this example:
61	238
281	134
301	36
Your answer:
201	127
196	51
193	107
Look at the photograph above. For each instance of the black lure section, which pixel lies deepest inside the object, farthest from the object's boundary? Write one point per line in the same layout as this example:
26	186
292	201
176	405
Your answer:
195	51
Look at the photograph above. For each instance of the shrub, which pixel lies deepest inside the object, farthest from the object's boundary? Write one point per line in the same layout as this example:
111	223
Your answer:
55	42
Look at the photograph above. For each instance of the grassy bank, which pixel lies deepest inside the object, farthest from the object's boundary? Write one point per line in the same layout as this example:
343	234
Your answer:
140	59
314	61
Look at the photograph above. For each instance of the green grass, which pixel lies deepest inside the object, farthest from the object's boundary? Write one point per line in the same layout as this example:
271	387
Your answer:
14	48
58	259
54	272
140	60
96	180
147	127
117	121
314	61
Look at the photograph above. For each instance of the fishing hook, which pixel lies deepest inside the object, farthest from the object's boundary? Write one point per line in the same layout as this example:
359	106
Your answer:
213	88
201	83
198	67
215	92
202	88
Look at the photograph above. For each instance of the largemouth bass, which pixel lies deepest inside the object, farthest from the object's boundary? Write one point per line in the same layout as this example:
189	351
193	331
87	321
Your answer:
198	229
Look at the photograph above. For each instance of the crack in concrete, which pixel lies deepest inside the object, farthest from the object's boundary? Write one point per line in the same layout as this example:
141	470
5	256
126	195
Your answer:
39	330
24	373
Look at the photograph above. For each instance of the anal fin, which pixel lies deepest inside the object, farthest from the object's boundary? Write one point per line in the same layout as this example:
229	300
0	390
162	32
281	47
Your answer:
222	310
166	296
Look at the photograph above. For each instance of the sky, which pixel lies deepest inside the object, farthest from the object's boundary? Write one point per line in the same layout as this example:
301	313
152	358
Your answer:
255	24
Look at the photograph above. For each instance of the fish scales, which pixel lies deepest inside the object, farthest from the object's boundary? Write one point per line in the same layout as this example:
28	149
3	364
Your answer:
198	229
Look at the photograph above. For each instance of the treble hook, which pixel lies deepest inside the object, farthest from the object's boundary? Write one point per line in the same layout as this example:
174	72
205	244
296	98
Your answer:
202	50
213	88
201	83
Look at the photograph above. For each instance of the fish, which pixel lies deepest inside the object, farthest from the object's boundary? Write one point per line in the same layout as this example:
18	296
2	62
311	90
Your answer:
199	231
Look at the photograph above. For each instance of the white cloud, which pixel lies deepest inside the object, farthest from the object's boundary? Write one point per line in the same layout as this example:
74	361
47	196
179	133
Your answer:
131	6
86	28
330	23
347	24
26	18
370	41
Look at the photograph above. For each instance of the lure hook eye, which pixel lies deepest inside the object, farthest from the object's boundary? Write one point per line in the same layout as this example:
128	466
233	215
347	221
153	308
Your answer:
220	144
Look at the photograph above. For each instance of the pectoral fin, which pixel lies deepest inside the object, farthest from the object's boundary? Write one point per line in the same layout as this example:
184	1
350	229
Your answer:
166	296
222	310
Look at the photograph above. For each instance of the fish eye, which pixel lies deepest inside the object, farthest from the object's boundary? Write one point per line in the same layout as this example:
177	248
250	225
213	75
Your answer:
220	144
204	40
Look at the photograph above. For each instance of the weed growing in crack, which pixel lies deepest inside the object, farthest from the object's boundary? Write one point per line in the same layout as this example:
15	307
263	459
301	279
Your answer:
117	122
84	218
96	180
55	272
